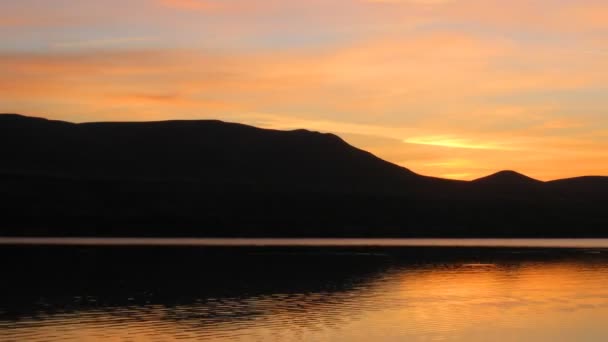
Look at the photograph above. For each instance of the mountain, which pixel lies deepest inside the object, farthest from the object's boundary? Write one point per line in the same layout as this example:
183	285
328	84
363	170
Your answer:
212	178
215	153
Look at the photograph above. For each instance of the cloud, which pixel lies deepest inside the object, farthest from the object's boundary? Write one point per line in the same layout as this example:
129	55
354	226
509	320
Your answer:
424	2
149	98
99	43
34	21
454	142
195	5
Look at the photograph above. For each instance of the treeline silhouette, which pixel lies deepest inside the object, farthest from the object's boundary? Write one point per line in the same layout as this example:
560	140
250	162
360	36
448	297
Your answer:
211	178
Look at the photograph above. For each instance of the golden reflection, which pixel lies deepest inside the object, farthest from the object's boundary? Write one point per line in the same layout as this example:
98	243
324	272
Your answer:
469	301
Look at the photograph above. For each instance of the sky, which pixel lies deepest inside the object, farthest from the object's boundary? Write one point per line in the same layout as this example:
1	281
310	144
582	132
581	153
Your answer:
449	88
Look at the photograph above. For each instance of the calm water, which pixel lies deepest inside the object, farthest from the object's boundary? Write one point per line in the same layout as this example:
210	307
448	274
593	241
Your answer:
291	292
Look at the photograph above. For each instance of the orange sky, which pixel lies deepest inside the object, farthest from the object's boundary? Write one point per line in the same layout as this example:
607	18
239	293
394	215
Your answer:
449	88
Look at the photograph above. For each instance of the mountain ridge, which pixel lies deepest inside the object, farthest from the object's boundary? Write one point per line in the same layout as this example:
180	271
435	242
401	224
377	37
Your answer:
500	175
211	178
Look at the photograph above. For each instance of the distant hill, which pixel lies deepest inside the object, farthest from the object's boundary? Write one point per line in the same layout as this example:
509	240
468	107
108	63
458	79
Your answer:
597	185
212	178
510	178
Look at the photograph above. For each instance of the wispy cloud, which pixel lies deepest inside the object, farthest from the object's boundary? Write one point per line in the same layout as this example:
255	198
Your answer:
456	142
101	43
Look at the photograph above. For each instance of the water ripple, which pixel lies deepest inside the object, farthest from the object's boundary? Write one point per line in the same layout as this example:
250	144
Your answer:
457	299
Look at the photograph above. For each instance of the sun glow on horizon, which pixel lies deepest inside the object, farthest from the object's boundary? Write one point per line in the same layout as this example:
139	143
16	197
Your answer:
452	142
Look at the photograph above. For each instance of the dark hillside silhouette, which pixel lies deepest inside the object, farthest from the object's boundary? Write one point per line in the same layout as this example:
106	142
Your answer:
597	185
211	178
215	153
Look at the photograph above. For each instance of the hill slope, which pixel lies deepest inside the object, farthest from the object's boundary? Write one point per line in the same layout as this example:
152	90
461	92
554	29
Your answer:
212	152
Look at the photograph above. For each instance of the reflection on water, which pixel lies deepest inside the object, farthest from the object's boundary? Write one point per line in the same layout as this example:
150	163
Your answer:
305	242
302	294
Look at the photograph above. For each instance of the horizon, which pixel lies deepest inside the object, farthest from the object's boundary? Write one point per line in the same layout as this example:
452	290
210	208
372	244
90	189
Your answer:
446	88
494	173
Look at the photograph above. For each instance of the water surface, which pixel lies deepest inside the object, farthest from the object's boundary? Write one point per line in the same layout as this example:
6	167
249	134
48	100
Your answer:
156	292
307	242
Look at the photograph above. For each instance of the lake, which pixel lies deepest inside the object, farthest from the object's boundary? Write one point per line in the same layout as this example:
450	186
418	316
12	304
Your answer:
303	290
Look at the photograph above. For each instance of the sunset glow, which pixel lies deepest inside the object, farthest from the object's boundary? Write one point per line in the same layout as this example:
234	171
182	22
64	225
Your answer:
447	88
